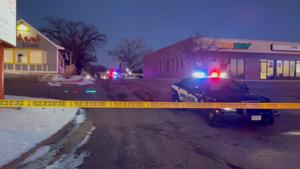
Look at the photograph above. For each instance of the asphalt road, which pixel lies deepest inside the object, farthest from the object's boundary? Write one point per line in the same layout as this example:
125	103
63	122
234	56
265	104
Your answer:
146	139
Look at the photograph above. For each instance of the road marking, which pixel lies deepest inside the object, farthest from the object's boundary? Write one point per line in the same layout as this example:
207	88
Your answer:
141	105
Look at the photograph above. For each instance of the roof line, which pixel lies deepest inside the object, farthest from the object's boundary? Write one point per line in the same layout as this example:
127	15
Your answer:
42	35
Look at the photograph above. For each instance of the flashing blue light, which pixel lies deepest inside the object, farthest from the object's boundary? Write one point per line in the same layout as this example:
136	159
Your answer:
199	74
90	91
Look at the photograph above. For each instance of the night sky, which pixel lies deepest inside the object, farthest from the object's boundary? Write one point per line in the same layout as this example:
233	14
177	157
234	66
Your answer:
163	22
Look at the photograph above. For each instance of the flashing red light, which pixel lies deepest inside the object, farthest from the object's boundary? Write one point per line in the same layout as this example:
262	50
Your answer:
112	74
215	74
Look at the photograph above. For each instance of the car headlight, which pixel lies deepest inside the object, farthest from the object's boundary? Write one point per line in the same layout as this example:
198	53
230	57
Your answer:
229	109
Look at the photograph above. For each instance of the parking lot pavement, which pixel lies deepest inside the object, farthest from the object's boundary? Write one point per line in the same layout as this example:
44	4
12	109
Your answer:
140	138
160	90
181	139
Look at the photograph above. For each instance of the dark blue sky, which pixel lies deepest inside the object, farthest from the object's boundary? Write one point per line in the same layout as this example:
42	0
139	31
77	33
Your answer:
163	22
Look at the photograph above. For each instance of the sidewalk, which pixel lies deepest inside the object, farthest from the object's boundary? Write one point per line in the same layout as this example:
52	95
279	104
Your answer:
21	130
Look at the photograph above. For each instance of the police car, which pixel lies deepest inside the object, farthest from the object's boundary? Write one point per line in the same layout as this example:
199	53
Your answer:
217	87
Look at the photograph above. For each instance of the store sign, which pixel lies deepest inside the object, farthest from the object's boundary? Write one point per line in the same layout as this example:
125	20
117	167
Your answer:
233	45
27	37
8	21
285	47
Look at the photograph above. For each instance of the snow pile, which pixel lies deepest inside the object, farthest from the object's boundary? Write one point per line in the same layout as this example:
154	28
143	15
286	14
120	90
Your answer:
87	137
80	118
22	129
73	160
37	154
58	80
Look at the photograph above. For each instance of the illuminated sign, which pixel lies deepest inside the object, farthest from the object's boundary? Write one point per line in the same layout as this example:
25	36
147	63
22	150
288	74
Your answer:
8	21
233	45
23	27
27	37
285	47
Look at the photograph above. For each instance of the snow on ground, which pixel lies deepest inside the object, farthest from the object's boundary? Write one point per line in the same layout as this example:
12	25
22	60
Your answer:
58	80
22	129
37	154
73	160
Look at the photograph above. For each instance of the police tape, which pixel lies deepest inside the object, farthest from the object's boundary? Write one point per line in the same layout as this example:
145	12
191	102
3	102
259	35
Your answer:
141	105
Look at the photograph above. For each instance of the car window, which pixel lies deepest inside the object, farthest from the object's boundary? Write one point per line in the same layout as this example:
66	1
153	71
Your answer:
186	83
193	84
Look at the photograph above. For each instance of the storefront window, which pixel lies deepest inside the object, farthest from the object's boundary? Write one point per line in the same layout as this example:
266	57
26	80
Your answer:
263	69
298	69
279	68
236	68
276	69
240	67
292	68
233	67
286	68
270	68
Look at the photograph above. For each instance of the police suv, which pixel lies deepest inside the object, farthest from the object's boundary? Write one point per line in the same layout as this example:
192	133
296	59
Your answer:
219	88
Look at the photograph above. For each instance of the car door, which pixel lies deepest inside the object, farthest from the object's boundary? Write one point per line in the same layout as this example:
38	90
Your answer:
185	92
181	91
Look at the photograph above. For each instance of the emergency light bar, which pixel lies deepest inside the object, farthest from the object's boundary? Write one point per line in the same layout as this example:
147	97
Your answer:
213	74
199	74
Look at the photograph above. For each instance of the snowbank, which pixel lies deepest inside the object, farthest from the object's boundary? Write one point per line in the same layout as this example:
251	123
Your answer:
22	129
58	80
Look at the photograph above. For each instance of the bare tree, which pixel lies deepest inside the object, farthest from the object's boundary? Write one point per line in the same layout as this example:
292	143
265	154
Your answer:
203	43
130	53
79	38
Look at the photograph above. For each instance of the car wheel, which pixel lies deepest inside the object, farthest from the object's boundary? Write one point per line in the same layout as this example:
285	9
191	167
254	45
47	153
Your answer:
213	119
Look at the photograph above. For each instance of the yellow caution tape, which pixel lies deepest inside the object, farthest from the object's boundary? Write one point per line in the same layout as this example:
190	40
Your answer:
141	105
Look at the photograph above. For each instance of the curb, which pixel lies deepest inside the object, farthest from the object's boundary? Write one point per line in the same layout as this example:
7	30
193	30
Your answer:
51	140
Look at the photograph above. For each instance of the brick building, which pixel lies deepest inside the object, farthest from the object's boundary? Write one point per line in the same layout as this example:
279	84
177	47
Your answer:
240	58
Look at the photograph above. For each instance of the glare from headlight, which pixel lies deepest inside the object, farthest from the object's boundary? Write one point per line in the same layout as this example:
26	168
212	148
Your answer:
88	76
229	109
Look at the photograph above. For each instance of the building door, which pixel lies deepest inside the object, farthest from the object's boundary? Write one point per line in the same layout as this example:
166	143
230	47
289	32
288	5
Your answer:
279	69
263	69
270	69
